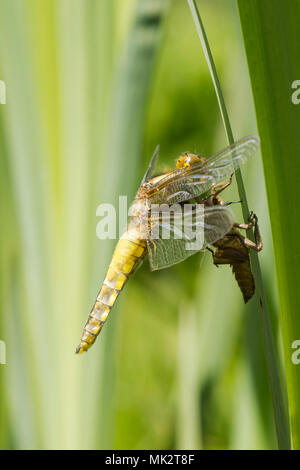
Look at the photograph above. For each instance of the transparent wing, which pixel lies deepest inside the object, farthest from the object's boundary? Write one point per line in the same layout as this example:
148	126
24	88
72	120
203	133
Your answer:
151	165
236	153
173	236
182	185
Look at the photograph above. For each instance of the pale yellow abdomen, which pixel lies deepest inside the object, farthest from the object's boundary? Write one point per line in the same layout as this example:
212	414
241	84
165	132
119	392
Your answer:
128	254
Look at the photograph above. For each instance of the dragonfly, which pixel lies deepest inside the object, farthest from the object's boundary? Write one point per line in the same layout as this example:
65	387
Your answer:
184	186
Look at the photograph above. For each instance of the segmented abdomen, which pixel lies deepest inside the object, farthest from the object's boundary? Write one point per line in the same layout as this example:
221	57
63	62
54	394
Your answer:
230	250
128	254
244	278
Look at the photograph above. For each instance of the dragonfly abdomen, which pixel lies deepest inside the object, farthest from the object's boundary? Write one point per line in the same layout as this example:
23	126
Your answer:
128	254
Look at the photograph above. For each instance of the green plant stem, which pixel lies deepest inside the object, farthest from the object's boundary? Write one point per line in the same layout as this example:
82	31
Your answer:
280	415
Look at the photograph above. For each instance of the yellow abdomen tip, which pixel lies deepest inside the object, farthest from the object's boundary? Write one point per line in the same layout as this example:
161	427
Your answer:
82	347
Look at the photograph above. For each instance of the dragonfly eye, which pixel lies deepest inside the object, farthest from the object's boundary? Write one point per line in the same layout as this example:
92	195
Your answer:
188	159
183	161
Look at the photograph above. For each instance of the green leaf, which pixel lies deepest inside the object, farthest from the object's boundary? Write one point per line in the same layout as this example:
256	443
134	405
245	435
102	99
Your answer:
58	164
271	36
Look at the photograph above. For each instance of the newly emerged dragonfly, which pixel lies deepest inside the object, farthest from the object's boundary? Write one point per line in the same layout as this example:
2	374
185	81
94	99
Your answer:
193	177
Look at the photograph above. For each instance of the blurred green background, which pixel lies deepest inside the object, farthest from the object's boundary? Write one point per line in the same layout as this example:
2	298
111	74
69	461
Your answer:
92	87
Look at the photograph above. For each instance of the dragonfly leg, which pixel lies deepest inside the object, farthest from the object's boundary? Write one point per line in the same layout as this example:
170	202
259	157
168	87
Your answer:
233	202
221	187
243	226
214	193
253	222
212	252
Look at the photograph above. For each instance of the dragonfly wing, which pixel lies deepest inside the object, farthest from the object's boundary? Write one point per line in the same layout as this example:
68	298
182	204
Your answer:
237	153
218	221
188	187
182	185
151	165
173	238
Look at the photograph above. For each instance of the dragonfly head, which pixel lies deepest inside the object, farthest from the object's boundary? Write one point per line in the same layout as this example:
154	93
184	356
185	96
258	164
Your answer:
186	160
